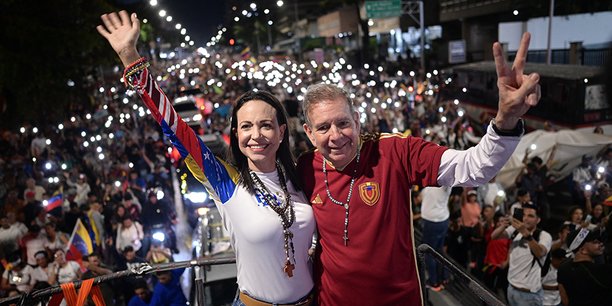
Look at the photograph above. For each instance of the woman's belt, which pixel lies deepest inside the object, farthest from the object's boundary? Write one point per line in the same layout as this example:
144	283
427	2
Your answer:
249	301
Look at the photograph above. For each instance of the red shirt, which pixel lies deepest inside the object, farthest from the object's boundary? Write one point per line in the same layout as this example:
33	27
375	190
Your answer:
378	267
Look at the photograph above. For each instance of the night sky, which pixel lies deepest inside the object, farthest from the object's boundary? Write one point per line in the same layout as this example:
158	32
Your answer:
200	17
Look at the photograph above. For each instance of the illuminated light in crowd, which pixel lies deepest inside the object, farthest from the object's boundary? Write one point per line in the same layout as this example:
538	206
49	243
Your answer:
435	72
183	31
440	109
393	83
162	13
101	156
107	124
279	3
22	130
588	187
45	202
159	194
48	166
383	105
55	179
380	68
197	197
127	116
355	82
326	65
300	98
210	82
501	193
92	139
371	23
111	135
349	67
34	159
169	18
153	2
352	95
427	131
187	38
456	102
99	149
178	26
88	116
72	119
401	93
101	89
113	89
121	120
412	73
363	104
376	100
125	100
386	85
464	89
196	117
341	61
270	22
443	119
533	146
460	113
266	11
134	107
70	83
131	165
83	134
399	73
361	109
86	144
60	126
430	92
117	184
366	66
373	110
515	12
34	130
601	170
396	104
48	141
372	83
428	75
148	112
216	105
64	166
244	12
219	84
586	80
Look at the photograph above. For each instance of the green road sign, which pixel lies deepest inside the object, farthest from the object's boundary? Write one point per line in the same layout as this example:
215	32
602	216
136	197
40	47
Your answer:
383	9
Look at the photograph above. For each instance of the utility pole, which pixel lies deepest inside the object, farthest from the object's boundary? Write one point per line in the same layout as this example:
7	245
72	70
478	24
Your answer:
550	17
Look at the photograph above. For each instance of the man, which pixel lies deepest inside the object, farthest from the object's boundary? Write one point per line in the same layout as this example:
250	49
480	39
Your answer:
581	281
142	295
360	188
522	198
95	268
549	281
434	213
527	256
168	290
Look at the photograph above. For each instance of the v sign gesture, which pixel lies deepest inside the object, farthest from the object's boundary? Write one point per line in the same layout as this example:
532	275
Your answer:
122	33
517	91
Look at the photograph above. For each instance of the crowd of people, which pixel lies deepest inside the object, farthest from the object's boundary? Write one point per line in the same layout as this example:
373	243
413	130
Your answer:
109	163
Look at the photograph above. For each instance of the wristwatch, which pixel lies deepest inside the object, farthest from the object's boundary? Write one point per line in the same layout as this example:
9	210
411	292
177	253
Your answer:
517	131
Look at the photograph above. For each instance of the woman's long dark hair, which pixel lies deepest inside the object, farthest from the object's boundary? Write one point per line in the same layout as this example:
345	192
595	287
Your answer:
283	154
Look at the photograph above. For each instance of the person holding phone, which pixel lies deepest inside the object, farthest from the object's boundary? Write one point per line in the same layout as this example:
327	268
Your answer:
528	250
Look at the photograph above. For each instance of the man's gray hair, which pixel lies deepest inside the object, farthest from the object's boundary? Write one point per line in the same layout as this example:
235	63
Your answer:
324	92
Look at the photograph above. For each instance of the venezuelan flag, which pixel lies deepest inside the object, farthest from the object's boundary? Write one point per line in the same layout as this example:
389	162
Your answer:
53	206
80	243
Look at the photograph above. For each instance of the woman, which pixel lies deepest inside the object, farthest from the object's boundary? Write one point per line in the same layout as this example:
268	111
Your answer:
269	219
66	270
55	239
129	233
575	218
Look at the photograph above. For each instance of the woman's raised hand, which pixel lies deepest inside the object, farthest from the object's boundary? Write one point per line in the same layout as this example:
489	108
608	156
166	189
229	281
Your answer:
122	33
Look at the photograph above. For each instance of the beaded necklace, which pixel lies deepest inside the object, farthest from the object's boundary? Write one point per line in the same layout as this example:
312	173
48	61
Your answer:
283	210
348	198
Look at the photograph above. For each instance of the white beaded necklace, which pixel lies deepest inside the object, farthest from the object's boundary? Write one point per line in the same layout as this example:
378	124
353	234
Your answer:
348	198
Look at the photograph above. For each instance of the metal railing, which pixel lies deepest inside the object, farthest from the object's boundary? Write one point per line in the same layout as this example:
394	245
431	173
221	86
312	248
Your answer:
139	270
